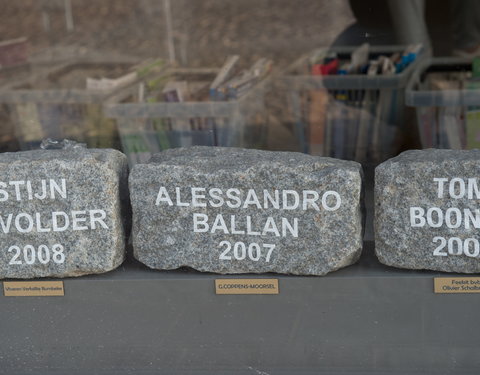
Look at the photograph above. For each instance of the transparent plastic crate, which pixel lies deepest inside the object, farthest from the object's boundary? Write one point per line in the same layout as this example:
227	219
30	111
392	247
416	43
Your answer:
55	103
447	103
148	128
20	72
367	126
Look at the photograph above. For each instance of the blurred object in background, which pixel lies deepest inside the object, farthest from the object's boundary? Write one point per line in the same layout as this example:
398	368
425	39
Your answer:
13	52
66	102
183	107
43	98
408	18
462	17
195	34
445	93
466	28
347	102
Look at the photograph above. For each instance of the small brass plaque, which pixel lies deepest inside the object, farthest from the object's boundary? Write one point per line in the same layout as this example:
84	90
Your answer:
246	286
457	284
33	288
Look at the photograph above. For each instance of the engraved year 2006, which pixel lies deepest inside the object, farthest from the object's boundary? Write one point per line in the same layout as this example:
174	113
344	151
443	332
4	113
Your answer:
31	255
240	251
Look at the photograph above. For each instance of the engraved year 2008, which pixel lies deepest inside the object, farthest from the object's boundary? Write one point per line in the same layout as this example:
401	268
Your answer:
41	254
240	251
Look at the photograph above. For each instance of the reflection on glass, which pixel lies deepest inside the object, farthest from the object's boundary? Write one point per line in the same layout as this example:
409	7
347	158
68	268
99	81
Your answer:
346	79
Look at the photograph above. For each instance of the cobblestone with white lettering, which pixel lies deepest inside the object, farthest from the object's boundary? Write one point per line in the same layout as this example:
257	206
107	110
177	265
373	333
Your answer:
427	213
230	210
62	212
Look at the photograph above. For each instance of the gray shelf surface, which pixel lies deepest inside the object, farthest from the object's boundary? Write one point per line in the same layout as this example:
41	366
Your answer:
363	319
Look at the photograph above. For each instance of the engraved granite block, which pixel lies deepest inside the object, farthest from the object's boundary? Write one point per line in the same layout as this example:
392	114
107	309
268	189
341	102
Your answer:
230	210
62	212
426	210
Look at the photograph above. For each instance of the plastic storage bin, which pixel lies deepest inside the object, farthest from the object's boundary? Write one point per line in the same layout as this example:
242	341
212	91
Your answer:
354	116
56	103
447	103
8	133
147	128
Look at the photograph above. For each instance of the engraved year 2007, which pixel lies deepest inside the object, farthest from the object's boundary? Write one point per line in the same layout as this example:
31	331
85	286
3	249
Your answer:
240	251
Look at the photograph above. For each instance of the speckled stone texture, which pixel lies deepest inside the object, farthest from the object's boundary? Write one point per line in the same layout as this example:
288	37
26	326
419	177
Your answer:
213	181
407	181
53	199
